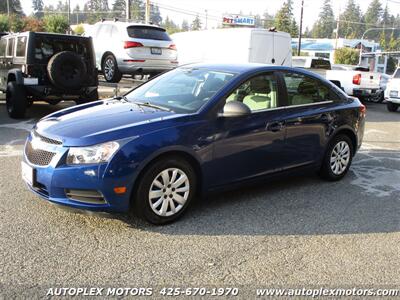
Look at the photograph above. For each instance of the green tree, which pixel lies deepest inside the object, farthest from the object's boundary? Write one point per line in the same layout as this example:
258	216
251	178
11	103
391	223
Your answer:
38	6
346	56
324	26
15	7
119	8
284	16
155	15
170	26
373	14
4	23
16	23
185	25
97	10
138	10
351	21
56	23
268	20
196	24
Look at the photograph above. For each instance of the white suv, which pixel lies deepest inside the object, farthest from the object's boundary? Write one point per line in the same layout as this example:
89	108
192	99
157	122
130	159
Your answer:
132	48
392	92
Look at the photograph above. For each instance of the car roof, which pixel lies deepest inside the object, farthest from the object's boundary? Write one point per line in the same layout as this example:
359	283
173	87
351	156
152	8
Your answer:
237	67
124	24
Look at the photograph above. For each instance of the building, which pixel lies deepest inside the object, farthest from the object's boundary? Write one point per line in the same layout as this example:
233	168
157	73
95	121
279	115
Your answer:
326	48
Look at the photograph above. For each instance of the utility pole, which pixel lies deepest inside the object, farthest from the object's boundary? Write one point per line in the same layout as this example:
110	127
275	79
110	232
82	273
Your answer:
128	10
206	19
69	12
337	29
301	28
147	16
8	8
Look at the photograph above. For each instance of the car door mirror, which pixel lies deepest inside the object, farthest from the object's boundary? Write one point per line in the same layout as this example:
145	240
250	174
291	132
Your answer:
235	109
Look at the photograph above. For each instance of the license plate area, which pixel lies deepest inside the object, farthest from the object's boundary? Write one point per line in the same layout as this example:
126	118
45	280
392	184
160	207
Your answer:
156	50
28	174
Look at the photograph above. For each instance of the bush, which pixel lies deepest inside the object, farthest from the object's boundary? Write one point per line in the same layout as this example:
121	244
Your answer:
4	23
56	23
17	23
347	56
79	29
33	24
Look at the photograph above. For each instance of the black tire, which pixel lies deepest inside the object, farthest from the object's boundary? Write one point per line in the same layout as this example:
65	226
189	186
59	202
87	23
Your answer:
94	96
392	106
16	101
378	98
110	69
141	198
67	70
326	171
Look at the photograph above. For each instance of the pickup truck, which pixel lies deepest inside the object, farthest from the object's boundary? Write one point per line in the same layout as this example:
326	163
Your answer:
392	93
356	81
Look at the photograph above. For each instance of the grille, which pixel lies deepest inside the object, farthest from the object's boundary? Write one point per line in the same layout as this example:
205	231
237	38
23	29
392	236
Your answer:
37	156
46	139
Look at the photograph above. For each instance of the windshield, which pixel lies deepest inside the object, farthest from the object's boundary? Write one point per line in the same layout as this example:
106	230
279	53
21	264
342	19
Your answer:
183	90
397	74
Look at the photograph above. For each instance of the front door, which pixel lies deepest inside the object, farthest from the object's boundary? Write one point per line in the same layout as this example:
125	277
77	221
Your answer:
250	145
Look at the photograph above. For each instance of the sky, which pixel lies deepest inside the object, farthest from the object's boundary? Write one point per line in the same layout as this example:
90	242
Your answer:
216	8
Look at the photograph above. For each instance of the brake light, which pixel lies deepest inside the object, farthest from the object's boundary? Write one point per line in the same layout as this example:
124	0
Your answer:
172	47
357	79
129	44
363	110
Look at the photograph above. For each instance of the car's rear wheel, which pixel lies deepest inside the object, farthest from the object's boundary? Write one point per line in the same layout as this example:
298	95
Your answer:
165	190
378	97
338	158
16	101
392	106
110	69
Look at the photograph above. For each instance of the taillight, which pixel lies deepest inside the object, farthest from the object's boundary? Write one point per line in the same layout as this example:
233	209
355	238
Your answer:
129	44
363	110
172	47
357	79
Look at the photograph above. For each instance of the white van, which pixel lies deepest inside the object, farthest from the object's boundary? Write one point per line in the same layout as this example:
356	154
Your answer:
239	45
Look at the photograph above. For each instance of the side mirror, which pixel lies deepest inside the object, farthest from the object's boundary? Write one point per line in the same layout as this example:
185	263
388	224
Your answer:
235	109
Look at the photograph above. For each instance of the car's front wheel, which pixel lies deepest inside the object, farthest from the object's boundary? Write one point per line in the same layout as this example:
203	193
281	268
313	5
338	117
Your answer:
337	159
165	190
110	69
392	106
16	101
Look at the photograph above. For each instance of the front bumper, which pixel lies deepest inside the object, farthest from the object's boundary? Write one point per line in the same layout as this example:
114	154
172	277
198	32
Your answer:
54	182
393	100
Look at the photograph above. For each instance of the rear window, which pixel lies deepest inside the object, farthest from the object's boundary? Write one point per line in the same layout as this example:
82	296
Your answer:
320	64
46	47
299	62
149	33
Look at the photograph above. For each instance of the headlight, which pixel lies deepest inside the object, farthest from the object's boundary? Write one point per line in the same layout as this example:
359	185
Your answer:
394	93
92	154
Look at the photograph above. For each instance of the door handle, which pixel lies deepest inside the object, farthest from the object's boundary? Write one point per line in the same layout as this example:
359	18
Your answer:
275	126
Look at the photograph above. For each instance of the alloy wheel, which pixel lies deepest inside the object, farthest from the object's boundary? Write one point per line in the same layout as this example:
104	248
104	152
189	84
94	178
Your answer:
340	158
169	192
109	68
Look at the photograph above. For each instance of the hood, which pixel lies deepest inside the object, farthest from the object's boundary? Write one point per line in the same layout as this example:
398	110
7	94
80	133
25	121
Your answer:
101	121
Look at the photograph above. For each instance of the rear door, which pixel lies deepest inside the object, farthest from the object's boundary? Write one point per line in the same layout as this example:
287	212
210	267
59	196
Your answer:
155	43
309	117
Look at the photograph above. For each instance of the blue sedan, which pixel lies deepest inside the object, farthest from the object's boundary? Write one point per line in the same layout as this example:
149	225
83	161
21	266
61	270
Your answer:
192	130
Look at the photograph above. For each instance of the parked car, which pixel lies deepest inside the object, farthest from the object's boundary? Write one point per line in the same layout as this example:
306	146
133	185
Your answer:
192	130
356	81
240	45
132	48
392	93
46	67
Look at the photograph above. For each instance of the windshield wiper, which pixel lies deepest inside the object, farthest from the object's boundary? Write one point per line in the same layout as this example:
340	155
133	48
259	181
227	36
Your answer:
148	104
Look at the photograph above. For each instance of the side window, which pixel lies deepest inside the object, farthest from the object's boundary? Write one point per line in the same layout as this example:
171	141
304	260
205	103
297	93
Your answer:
258	93
10	47
302	89
3	45
21	46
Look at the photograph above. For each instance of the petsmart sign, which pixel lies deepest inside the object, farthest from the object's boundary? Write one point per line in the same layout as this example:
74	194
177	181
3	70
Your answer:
238	20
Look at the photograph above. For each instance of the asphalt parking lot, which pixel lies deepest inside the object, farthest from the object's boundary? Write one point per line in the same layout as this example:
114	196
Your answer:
295	232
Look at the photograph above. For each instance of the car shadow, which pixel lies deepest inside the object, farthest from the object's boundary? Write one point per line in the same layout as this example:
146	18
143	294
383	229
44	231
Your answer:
299	205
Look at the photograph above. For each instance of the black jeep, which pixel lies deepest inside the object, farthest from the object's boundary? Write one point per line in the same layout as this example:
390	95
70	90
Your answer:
46	67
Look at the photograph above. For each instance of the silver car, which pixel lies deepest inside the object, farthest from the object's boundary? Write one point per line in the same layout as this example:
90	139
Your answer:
132	48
